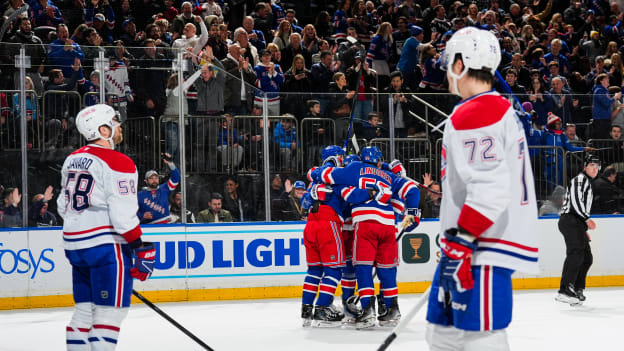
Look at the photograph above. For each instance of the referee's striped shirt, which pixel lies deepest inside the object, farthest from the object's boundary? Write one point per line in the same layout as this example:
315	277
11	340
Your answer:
579	197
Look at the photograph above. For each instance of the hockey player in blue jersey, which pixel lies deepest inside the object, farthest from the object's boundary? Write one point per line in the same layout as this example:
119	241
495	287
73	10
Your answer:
154	201
488	214
325	252
101	232
375	234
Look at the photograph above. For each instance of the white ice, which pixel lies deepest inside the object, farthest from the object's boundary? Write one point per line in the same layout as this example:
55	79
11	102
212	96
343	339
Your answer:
539	323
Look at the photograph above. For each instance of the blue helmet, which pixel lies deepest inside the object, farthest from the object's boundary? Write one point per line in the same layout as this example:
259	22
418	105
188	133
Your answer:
351	158
371	154
331	150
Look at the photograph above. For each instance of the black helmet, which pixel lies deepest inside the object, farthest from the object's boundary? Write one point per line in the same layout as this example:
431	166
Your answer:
591	158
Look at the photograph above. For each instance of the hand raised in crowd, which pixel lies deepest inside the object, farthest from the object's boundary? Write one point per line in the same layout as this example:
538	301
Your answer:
427	179
197	19
167	159
208	53
49	11
288	185
49	193
350	94
69	45
15	197
77	64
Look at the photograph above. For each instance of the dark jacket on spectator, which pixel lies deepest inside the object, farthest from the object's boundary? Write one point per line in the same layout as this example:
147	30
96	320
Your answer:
605	196
232	91
338	97
151	83
10	216
33	46
56	105
321	78
210	93
296	103
36	219
241	206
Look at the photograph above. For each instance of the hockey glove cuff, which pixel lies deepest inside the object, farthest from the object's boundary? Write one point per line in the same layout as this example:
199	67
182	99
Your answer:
143	261
397	168
455	264
411	219
383	195
320	192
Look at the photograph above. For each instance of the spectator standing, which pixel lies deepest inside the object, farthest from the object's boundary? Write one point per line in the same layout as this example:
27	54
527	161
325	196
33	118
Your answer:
282	35
321	74
214	213
570	132
227	144
191	40
379	52
263	21
295	48
511	77
574	223
364	83
210	86
256	37
34	48
175	210
248	51
238	92
117	83
151	92
408	60
10	214
154	201
431	205
552	206
403	121
563	105
541	100
63	51
340	97
218	45
297	80
38	213
317	136
100	24
180	22
602	107
269	79
236	203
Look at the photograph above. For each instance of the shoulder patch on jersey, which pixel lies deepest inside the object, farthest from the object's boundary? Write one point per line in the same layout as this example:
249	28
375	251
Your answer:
114	159
480	112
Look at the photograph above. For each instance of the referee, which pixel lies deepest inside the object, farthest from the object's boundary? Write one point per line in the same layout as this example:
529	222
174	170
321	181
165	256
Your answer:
573	224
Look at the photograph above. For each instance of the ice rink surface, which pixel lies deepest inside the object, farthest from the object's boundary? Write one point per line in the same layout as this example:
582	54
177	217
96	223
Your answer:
539	323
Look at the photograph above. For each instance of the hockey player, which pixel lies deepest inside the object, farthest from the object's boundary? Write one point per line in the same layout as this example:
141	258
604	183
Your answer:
325	252
375	240
573	224
101	232
154	201
488	214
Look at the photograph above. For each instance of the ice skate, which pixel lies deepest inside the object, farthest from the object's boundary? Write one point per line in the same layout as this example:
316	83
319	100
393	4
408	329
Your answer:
580	295
568	296
306	314
351	309
381	305
391	316
327	317
366	319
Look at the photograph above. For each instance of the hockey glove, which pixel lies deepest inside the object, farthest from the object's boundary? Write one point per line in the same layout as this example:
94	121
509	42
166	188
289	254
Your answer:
320	192
397	168
143	261
411	219
455	264
383	194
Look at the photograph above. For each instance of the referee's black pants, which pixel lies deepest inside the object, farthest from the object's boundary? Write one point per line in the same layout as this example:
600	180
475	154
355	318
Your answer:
578	253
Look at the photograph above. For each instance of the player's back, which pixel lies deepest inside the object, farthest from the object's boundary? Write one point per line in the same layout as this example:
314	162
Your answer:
99	202
488	182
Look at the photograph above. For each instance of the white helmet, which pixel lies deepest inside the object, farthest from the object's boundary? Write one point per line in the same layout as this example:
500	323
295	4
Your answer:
91	118
479	49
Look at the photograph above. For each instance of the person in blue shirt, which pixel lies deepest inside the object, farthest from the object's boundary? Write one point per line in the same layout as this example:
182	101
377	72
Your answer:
408	62
285	135
154	201
602	107
554	137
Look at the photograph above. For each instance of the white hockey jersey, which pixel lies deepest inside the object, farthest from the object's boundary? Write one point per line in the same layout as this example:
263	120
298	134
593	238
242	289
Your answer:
99	205
488	182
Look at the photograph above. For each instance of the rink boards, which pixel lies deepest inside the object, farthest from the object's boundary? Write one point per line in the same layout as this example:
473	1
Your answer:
262	260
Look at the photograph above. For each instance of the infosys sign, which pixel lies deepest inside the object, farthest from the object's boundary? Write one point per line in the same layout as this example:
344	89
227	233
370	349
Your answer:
25	261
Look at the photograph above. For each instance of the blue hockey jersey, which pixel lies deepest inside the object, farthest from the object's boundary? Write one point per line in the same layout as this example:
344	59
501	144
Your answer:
157	201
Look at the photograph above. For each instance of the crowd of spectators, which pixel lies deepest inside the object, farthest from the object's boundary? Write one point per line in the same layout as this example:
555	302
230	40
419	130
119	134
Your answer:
312	58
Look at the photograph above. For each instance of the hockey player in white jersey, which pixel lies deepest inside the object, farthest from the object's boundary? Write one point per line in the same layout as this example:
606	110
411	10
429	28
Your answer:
101	231
488	214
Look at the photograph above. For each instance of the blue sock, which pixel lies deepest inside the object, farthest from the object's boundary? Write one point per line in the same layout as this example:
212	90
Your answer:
366	288
348	281
387	277
310	284
331	278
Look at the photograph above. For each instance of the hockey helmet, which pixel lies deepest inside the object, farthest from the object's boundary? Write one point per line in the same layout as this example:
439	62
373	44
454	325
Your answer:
332	150
479	49
90	119
351	158
591	158
371	154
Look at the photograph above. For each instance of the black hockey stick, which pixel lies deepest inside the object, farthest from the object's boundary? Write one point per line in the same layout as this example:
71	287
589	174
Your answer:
397	330
171	320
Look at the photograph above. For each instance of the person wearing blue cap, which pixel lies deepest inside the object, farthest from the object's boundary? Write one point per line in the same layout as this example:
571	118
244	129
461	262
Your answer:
292	210
408	63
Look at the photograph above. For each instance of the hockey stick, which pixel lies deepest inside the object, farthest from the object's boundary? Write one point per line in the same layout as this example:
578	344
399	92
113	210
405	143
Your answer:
171	320
346	142
404	321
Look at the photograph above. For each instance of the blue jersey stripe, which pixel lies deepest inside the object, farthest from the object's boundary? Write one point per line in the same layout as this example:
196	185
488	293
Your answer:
509	253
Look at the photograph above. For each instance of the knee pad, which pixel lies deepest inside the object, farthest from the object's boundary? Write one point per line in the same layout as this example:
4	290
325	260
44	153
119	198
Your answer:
83	315
109	315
